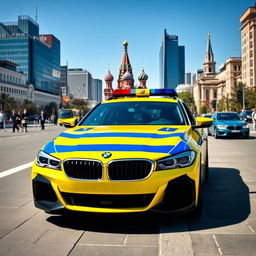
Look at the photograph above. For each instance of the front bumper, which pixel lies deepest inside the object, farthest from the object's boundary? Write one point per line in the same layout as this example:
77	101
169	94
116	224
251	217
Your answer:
229	132
164	191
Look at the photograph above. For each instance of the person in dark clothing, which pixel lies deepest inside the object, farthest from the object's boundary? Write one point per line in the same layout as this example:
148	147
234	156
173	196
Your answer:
15	118
24	120
42	119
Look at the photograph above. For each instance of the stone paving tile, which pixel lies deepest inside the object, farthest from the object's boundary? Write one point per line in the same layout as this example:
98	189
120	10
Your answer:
114	251
142	240
204	244
102	238
252	224
237	244
40	237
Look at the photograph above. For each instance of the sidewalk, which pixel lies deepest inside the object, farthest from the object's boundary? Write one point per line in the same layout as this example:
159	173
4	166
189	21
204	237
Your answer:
31	128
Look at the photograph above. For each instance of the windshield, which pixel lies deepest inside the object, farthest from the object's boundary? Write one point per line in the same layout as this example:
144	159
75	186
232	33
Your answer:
135	113
248	112
208	116
65	113
228	116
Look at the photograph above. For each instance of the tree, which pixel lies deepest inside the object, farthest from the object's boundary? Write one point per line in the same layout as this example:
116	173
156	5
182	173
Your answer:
236	99
51	109
7	103
250	98
188	98
222	104
80	104
30	106
205	108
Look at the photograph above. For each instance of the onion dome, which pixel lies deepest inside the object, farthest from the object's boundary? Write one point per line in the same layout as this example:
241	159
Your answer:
108	77
127	76
142	76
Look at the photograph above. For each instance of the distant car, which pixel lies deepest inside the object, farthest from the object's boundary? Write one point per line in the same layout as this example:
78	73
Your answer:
68	117
228	124
246	115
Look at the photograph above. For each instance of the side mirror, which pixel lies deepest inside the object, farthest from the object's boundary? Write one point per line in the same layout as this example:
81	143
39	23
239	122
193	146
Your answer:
203	122
67	125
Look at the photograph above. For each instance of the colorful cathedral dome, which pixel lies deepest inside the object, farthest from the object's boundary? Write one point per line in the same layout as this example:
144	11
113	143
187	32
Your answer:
108	77
127	76
142	76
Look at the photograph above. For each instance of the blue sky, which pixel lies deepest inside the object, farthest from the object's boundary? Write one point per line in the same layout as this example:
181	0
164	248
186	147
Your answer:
92	31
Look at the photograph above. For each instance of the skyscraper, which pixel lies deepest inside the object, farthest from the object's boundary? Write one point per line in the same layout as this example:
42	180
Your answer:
38	56
171	62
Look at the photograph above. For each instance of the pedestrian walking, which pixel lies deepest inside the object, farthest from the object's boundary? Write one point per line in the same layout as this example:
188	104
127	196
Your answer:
24	120
254	118
42	119
15	120
2	117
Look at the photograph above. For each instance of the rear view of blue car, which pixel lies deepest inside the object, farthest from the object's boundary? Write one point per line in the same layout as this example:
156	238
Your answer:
228	124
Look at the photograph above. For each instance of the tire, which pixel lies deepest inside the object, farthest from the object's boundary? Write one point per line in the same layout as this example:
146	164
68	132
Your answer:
215	134
206	167
247	135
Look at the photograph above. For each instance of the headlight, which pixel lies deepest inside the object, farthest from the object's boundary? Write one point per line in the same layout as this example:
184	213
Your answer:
221	126
245	126
45	160
177	161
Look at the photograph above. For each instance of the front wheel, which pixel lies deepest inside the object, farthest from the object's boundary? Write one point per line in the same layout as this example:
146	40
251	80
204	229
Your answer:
247	135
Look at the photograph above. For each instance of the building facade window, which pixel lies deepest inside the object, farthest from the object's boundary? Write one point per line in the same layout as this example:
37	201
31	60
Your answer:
207	94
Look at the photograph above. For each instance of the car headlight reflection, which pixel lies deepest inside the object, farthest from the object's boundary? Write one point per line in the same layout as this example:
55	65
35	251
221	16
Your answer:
45	160
177	161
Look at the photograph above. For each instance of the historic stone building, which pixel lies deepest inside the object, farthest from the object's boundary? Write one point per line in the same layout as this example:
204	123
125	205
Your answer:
125	77
248	43
212	86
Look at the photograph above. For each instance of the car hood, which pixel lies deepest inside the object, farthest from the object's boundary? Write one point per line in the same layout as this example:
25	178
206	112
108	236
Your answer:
120	141
231	123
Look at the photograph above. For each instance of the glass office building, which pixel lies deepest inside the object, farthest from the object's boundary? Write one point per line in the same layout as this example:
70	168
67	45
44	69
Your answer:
171	62
38	56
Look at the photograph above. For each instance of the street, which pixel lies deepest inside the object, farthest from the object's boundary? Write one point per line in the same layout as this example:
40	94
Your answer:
226	226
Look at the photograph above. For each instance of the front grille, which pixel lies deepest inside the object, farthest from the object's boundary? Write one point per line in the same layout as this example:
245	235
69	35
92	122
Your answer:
83	169
129	170
108	201
234	127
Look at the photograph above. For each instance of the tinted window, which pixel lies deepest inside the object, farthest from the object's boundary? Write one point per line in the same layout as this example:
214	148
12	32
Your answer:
135	113
228	116
65	113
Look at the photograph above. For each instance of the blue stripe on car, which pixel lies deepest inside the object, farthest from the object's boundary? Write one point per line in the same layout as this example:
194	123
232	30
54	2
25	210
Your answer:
49	147
109	147
119	134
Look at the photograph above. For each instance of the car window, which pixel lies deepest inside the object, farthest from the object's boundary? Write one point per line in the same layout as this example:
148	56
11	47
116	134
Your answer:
135	113
190	116
228	116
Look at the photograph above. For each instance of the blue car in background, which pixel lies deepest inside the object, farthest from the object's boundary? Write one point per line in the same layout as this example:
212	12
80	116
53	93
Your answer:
228	124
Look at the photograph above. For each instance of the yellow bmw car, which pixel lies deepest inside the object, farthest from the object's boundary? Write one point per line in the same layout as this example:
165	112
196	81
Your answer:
135	152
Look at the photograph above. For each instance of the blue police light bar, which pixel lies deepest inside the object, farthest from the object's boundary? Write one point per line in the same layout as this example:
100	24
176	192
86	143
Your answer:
144	92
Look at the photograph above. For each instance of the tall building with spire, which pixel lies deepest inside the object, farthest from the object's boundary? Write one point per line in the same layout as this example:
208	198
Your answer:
125	76
212	86
209	63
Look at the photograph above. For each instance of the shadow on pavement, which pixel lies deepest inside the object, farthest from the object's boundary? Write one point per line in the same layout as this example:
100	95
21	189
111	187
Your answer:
225	202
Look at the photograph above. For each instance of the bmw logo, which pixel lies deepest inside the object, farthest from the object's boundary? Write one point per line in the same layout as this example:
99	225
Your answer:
106	155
